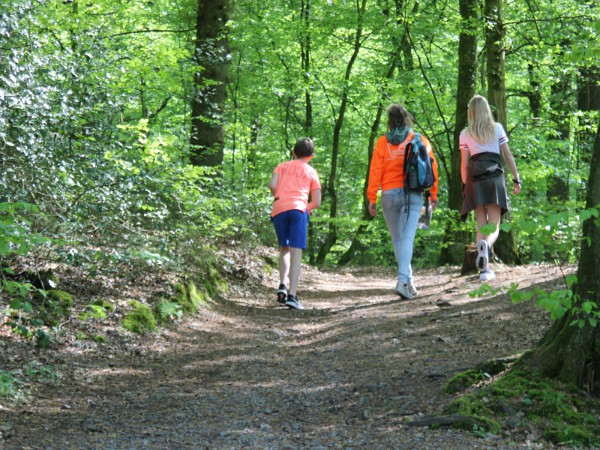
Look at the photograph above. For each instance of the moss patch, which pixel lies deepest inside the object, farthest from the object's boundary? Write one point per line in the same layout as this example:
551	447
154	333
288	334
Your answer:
481	372
520	400
57	304
61	299
189	297
140	319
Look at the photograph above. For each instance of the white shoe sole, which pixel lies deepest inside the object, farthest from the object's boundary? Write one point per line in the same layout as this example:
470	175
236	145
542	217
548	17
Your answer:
294	305
487	276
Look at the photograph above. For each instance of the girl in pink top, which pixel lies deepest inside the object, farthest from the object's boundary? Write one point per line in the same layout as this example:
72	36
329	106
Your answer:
291	184
483	146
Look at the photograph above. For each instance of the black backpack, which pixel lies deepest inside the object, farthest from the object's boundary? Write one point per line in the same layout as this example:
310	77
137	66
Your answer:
418	169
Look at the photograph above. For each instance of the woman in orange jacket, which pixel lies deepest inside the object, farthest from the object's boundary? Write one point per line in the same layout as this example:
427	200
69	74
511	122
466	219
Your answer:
401	208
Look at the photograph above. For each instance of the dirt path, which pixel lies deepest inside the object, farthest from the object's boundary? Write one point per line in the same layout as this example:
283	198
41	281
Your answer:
351	371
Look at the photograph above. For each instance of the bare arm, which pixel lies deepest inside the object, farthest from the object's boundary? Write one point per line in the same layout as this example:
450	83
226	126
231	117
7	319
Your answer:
315	200
273	183
464	164
512	166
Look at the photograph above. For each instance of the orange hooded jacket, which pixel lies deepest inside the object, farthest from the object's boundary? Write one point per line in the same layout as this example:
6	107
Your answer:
387	167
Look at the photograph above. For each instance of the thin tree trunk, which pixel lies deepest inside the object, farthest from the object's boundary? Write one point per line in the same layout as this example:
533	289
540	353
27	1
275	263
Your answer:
207	135
453	250
395	62
506	246
356	244
305	56
330	188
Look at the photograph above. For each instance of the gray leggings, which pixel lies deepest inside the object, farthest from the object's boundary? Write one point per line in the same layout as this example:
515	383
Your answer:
401	210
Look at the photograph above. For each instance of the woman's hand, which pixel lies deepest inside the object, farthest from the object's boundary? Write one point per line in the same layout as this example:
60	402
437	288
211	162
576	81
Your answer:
516	186
373	209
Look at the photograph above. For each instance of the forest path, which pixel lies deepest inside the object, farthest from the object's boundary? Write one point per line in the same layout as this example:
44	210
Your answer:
350	371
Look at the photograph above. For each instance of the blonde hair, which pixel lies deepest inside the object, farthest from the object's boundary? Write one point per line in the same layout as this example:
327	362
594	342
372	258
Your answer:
482	125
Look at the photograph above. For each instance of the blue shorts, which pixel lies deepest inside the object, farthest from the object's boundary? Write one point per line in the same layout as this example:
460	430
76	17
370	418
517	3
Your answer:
291	228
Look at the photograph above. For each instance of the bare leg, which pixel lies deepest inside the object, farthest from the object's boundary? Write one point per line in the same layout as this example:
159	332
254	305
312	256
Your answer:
284	264
494	214
488	214
482	220
295	266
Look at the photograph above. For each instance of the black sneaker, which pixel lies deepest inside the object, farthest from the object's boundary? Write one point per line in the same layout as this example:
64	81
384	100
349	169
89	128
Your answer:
293	302
281	293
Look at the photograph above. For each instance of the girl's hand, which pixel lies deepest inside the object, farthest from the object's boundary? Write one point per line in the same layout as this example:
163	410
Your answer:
373	209
516	186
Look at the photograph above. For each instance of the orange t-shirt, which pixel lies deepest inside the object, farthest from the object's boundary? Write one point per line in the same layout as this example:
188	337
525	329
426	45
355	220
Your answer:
387	167
296	180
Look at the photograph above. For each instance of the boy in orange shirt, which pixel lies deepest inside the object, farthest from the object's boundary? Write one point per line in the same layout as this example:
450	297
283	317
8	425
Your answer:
291	184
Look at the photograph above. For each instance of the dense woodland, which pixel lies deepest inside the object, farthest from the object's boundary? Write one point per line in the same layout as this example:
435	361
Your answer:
147	131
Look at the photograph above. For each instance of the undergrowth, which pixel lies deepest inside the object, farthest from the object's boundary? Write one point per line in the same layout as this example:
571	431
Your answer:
521	401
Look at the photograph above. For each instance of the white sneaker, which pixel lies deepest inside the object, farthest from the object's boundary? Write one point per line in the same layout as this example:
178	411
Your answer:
487	275
483	251
412	290
402	290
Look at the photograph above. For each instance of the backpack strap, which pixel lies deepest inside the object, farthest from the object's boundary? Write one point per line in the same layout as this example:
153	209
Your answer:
416	138
410	149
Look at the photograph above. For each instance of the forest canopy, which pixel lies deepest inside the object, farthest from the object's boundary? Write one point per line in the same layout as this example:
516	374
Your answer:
104	106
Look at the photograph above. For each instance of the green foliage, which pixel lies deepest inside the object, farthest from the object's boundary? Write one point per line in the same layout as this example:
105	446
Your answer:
60	300
10	385
189	298
168	311
23	319
99	339
102	135
566	414
557	302
482	372
140	319
464	380
97	310
13	383
95	123
35	371
16	236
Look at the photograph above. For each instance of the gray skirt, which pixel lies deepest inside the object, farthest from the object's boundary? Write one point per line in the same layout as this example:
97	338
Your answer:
486	184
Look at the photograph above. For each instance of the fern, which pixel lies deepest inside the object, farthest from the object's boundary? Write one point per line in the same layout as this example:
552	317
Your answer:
168	311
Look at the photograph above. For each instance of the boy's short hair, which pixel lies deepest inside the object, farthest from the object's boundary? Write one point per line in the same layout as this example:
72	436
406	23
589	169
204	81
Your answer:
304	147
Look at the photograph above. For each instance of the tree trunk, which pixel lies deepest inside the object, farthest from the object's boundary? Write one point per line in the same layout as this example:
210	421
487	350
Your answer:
210	80
535	95
356	244
453	250
506	246
305	57
588	93
395	62
330	188
570	353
